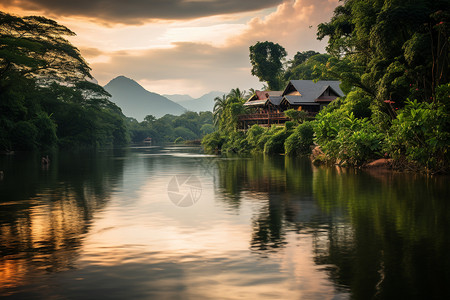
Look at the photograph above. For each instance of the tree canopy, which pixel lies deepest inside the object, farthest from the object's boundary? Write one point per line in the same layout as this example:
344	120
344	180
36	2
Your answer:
35	47
390	49
267	63
45	100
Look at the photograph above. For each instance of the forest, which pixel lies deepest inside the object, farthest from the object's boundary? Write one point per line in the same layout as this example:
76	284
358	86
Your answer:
48	98
392	58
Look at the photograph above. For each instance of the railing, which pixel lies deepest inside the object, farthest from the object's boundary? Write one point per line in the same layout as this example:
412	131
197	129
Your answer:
263	116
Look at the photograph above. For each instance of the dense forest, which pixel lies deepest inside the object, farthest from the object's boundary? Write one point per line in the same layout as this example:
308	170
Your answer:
392	58
48	98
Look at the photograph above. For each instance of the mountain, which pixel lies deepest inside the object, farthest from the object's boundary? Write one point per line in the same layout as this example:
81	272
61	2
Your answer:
137	102
179	98
204	103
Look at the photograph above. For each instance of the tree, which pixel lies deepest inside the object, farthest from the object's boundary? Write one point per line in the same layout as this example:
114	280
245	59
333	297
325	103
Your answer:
219	108
310	69
45	99
227	109
267	63
396	46
35	47
297	116
301	57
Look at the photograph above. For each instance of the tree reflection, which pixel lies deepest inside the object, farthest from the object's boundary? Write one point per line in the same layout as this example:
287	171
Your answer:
379	235
44	214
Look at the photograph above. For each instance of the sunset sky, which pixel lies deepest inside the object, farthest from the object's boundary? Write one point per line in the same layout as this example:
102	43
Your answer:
181	46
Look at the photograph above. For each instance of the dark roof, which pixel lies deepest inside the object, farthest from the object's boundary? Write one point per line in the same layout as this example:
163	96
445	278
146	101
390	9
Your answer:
300	100
275	100
311	90
274	93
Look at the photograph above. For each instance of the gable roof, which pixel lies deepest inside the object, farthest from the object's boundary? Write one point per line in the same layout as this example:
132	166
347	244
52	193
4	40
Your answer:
255	102
310	90
261	97
299	100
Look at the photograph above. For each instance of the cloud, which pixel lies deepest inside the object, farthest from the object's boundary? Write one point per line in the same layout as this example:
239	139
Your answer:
139	11
293	25
196	67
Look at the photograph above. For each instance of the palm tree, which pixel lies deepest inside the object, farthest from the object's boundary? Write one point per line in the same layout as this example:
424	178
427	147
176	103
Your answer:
220	104
236	95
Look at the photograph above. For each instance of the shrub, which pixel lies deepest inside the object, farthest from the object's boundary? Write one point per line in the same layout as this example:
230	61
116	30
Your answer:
275	143
254	134
213	141
420	135
344	137
300	141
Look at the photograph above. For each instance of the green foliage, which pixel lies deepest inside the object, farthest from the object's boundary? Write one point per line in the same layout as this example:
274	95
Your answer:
254	134
206	129
275	143
300	141
420	134
188	126
358	102
267	63
388	47
179	140
45	100
296	115
184	133
236	143
309	69
227	110
24	137
213	142
344	137
35	47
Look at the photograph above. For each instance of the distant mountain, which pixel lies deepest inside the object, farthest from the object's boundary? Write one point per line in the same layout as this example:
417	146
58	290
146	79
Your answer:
137	102
179	98
204	103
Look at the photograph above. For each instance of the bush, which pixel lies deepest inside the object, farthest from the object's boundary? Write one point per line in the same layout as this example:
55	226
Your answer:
236	143
344	137
300	141
420	134
254	134
185	133
24	136
213	142
179	140
275	143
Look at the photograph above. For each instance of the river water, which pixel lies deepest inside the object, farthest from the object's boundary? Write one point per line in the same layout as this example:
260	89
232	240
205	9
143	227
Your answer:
172	223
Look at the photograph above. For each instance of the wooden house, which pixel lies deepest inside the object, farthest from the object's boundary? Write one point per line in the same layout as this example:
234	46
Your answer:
309	96
267	107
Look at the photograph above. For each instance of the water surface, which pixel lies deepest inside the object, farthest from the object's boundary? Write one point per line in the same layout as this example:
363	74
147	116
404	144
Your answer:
173	223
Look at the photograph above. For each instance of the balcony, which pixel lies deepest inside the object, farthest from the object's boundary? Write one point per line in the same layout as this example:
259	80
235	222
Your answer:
264	116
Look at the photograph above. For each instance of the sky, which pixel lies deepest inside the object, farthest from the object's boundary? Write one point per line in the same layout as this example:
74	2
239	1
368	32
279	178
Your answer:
182	46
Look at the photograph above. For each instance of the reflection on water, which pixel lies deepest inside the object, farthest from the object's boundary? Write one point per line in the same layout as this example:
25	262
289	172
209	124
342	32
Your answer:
102	225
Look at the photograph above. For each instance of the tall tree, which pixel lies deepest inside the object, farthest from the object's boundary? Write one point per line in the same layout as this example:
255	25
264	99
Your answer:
35	47
400	48
267	63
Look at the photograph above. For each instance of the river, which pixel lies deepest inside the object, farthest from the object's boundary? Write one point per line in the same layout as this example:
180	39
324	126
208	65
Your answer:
170	222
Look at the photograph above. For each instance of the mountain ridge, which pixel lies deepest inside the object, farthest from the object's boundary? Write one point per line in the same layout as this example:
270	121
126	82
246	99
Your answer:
137	102
203	103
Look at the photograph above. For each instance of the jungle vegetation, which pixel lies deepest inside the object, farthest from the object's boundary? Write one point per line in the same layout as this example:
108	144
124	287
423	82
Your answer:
48	98
392	58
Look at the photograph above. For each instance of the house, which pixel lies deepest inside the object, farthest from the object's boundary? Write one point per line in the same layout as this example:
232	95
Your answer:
267	107
309	96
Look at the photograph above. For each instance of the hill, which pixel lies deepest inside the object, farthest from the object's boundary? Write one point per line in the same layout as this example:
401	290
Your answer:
137	102
204	103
